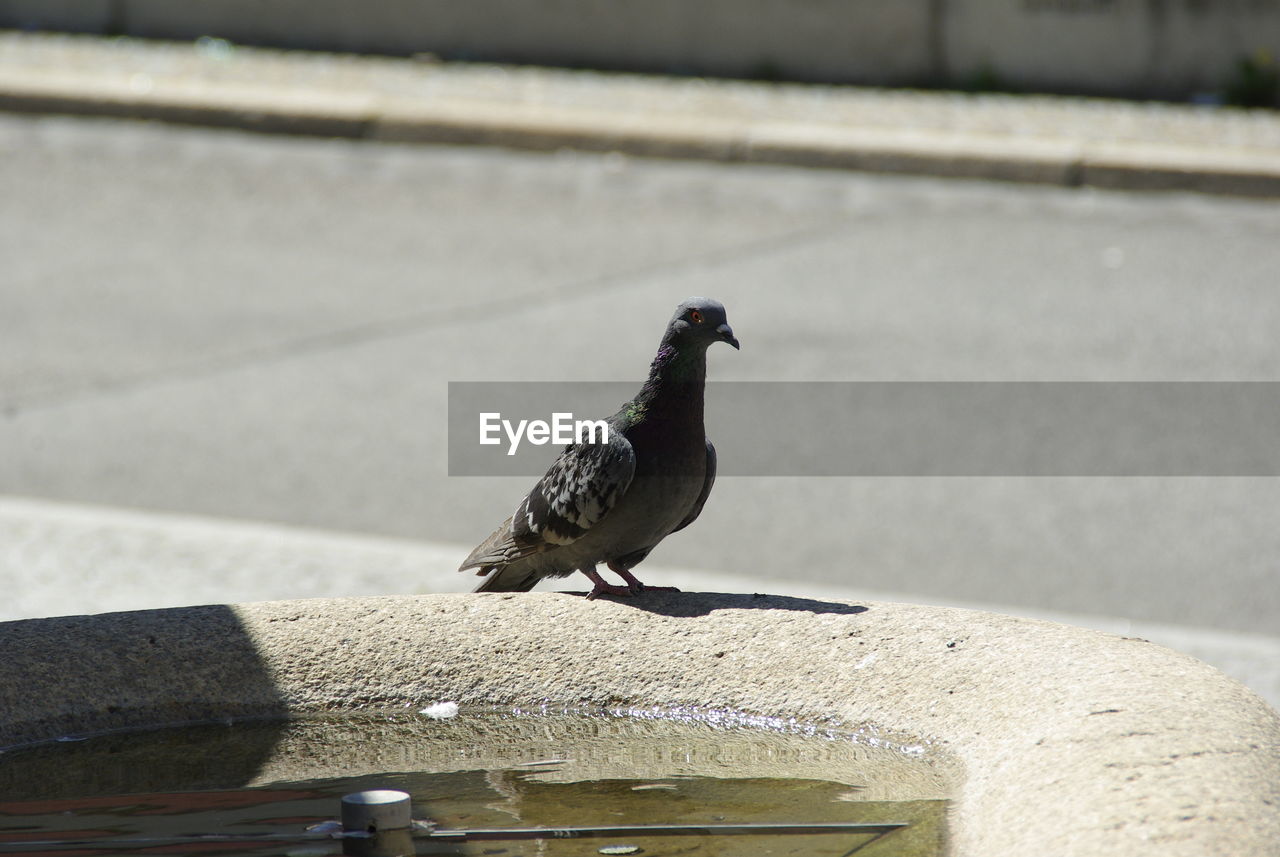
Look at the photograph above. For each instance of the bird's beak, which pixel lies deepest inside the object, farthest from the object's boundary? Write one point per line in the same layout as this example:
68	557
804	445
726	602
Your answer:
726	333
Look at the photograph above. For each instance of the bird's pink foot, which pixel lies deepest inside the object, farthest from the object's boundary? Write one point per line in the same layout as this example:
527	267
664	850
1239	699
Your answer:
600	587
634	585
609	589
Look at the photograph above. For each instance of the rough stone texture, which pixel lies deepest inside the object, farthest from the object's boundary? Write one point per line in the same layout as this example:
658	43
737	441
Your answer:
1072	742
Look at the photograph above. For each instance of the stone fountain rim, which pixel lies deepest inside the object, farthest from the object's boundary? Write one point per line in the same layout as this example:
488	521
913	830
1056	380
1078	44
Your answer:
1071	741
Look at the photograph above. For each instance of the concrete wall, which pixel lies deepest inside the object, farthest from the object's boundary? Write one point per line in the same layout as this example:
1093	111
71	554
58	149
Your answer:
1159	47
1169	48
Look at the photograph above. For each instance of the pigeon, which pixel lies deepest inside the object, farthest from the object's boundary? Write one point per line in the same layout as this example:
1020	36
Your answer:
612	502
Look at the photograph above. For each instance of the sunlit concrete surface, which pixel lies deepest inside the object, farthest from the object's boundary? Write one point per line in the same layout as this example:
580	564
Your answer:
1068	741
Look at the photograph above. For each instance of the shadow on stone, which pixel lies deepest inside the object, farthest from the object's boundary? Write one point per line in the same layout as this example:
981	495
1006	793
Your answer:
686	604
77	675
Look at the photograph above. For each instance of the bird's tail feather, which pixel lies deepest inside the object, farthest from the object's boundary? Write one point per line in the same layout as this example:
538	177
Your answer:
507	580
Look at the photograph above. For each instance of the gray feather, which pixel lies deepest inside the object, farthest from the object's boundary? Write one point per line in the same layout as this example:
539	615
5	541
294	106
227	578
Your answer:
707	482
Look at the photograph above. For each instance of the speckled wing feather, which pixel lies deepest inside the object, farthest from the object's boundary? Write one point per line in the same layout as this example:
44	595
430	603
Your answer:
578	490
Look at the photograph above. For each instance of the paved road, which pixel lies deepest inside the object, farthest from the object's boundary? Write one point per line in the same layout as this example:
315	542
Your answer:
262	328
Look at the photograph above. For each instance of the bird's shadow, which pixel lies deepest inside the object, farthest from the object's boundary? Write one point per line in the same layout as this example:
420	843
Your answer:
685	604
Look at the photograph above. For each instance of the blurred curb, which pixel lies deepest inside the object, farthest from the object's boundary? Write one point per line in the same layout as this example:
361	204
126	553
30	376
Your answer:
281	92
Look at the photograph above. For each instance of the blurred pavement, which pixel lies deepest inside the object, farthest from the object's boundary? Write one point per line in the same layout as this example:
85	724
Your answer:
254	328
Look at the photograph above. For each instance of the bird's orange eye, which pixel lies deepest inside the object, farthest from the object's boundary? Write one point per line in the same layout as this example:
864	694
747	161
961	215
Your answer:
695	316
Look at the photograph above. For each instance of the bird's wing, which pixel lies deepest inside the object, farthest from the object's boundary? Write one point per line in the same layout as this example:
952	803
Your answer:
577	491
710	480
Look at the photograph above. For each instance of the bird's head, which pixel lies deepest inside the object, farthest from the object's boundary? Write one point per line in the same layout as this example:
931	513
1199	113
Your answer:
701	321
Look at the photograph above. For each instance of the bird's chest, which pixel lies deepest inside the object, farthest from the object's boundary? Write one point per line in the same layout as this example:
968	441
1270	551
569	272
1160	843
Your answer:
652	508
670	472
670	451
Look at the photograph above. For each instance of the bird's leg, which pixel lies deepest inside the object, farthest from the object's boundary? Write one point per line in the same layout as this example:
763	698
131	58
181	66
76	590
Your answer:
601	587
634	586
